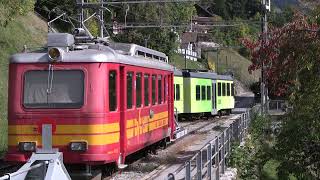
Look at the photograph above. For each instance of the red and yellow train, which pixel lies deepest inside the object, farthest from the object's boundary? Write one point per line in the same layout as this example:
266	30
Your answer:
104	102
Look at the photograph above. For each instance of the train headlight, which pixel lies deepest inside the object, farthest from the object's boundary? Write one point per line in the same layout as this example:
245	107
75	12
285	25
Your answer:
54	54
27	146
79	146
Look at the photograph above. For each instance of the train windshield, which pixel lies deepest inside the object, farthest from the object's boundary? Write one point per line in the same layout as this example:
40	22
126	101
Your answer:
53	89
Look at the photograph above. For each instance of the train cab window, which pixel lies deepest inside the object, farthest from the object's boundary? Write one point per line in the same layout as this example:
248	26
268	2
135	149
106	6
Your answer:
197	92
154	89
129	90
223	89
146	89
219	89
159	89
112	90
178	92
228	89
208	92
232	89
138	89
66	89
203	92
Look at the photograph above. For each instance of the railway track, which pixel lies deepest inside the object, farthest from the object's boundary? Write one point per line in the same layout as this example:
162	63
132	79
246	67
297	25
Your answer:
193	128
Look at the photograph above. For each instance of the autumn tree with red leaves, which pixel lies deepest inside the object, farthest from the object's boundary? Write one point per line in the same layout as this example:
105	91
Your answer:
285	54
292	57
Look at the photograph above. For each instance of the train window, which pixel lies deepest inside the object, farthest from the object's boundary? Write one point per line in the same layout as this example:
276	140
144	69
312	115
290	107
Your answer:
223	89
232	89
149	55
174	91
146	89
140	53
208	92
159	89
66	89
154	89
129	90
178	92
197	92
219	89
165	89
155	57
138	89
203	92
228	89
112	90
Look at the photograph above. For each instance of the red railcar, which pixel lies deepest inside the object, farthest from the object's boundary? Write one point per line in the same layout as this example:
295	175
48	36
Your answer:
103	104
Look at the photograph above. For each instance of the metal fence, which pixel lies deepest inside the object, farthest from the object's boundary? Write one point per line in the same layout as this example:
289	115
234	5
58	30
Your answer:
210	161
277	105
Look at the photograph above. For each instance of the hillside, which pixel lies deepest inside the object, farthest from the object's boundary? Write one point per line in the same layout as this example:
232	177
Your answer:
231	61
179	62
28	30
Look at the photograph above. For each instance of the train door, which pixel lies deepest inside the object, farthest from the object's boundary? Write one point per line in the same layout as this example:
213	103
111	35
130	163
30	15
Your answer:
214	98
113	104
170	97
129	116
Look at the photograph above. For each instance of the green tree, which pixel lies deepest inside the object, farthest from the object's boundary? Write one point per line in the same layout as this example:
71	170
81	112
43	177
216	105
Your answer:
162	39
293	68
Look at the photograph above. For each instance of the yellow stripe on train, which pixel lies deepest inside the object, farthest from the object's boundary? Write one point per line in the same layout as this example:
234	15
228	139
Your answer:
67	129
137	127
61	140
146	119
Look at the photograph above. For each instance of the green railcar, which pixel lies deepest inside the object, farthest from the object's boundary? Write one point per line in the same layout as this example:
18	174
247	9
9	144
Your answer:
178	92
203	92
225	93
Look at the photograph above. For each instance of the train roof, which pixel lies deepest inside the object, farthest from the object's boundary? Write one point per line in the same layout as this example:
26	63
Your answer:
136	50
94	53
206	75
178	72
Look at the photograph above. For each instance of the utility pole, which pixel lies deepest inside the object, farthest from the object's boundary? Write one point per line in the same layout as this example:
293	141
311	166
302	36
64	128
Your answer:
264	27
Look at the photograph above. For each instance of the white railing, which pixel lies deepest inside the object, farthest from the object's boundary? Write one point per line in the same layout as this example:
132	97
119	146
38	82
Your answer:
210	161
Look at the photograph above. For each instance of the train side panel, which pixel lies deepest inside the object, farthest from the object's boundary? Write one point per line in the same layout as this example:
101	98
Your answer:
179	94
145	107
225	95
198	96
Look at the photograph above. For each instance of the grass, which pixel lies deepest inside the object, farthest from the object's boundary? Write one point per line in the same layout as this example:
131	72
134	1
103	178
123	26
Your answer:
231	61
178	61
28	30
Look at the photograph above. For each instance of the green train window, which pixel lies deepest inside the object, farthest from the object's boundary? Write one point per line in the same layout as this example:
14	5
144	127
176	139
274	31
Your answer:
219	89
146	89
159	89
112	90
138	90
203	92
223	89
208	92
232	89
178	92
228	89
153	89
197	92
129	90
